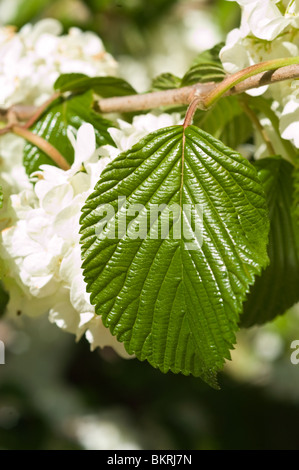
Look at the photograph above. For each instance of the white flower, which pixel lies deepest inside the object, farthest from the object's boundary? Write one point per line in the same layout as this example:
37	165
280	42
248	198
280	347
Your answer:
129	134
269	30
31	60
289	122
40	249
265	19
261	149
13	175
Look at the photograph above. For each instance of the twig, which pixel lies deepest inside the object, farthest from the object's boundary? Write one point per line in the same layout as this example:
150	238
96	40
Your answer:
184	96
27	114
157	99
13	125
232	81
43	145
203	94
22	112
176	97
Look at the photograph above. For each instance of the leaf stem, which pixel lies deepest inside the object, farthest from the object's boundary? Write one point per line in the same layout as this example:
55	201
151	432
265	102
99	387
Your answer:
191	111
233	80
43	145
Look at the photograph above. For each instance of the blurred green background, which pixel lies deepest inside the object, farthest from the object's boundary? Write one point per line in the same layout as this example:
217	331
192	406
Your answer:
56	394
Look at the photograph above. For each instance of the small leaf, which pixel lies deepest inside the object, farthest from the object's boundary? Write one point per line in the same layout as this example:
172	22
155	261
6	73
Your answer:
53	125
103	86
276	290
177	308
207	67
166	81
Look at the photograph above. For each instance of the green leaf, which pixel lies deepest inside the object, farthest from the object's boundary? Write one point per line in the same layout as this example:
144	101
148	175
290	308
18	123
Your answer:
53	126
276	290
1	197
166	81
207	67
103	86
226	121
227	15
177	308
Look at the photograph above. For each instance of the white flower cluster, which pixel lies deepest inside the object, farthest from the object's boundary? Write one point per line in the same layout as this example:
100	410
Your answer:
32	59
269	30
30	62
40	249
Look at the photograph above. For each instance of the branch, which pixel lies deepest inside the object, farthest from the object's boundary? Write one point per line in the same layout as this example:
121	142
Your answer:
184	96
22	112
12	115
157	99
30	114
176	97
230	83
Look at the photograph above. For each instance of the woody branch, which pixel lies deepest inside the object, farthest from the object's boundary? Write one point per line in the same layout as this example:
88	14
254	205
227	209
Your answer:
176	97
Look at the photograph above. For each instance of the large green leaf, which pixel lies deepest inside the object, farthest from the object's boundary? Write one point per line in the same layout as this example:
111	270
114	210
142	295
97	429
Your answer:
277	289
103	86
174	305
55	122
207	67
